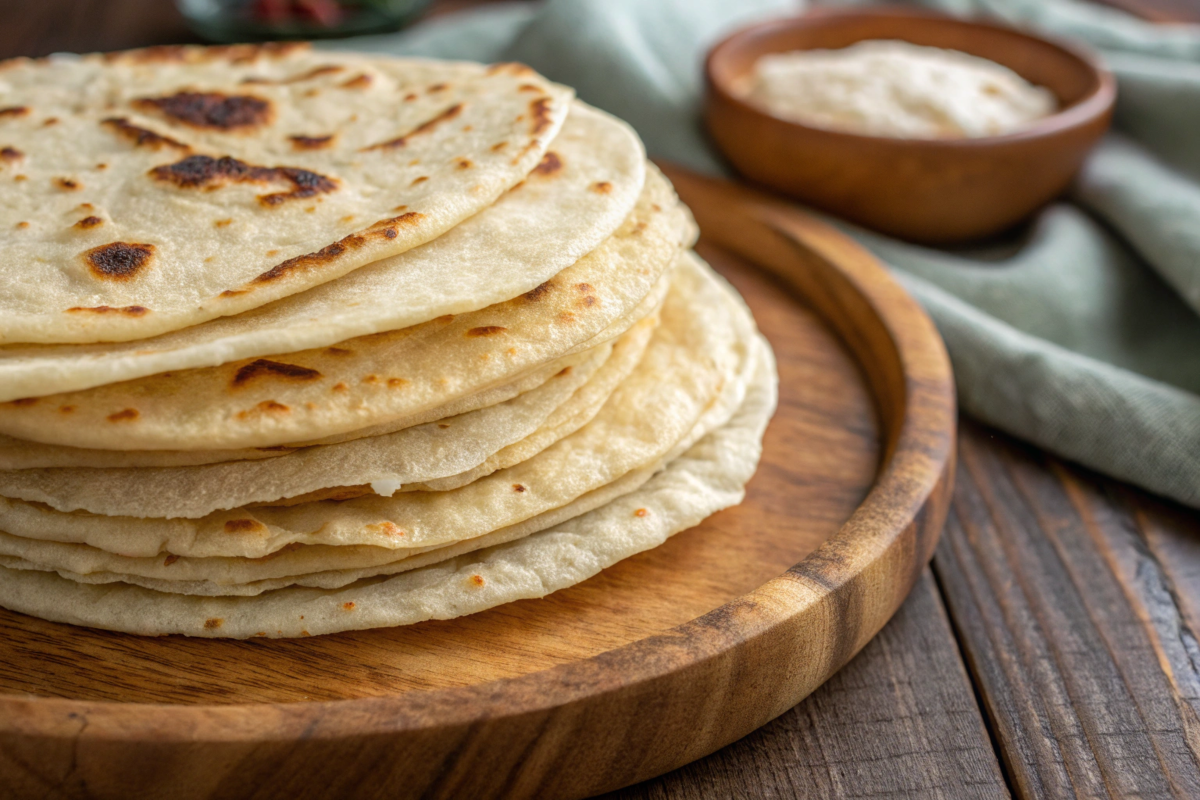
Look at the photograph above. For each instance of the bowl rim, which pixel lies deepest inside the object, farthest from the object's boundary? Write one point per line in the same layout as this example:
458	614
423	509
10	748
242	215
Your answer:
1094	105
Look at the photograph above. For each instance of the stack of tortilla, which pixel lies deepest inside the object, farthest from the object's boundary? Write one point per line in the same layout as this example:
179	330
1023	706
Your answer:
294	343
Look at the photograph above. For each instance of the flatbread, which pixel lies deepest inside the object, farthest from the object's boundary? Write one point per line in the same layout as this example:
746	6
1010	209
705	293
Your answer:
154	190
435	450
708	477
694	354
371	380
588	183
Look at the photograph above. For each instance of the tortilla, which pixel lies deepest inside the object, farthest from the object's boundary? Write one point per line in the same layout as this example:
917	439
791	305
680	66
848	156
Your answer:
371	380
708	477
154	190
530	234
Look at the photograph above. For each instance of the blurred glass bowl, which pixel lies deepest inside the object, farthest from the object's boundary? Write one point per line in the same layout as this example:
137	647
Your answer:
257	20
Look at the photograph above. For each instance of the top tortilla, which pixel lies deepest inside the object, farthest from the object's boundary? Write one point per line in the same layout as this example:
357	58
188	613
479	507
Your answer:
153	190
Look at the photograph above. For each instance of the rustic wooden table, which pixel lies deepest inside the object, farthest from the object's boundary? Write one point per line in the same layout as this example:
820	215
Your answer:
1051	650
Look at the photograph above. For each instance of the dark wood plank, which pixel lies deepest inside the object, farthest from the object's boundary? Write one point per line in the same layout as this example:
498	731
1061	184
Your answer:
900	720
1075	598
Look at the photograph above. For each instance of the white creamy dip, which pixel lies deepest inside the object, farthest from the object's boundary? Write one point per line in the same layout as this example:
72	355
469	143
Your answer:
897	89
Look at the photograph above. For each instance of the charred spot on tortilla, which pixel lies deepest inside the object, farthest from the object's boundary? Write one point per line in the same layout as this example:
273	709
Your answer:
550	164
206	172
211	110
263	367
311	142
118	261
425	127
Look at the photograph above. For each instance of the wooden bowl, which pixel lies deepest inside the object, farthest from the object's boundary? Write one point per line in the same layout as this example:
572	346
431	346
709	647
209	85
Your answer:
928	190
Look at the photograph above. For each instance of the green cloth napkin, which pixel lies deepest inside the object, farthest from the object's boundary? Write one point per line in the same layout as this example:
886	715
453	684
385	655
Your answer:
1079	333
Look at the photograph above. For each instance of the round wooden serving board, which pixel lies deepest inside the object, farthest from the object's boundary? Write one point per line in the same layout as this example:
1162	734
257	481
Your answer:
655	662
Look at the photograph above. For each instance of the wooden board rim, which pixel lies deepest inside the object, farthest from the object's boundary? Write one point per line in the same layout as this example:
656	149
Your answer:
861	574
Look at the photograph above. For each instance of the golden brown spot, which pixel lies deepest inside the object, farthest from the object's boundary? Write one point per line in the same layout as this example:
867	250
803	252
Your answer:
510	68
348	606
562	373
656	207
312	92
206	172
169	560
262	367
311	142
550	164
348	218
24	401
13	111
221	223
50	121
243	526
85	207
587	302
386	528
142	137
518	487
443	425
10	154
425	127
539	115
210	109
118	261
260	634
233	292
68	184
512	351
468	128
265	407
340	387
372	378
304	632
102	166
400	208
66	409
124	415
129	311
22	224
213	622
20	178
486	330
331	252
539	292
477	580
408	98
89	222
463	163
396	383
498	146
360	81
270	253
566	317
338	351
641	512
420	179
528	87
437	87
601	187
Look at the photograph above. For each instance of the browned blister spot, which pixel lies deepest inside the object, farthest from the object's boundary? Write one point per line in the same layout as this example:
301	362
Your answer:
360	81
50	121
19	178
550	164
601	187
124	415
419	179
206	172
169	560
539	115
397	383
518	487
641	512
348	606
477	580
118	261
498	146
10	154
68	184
528	87
127	311
315	72
510	68
486	330
210	109
562	373
243	526
566	317
221	223
23	402
89	222
14	111
213	622
264	368
102	166
22	225
463	163
338	351
587	301
265	407
425	127
142	137
538	292
340	387
408	98
443	425
311	142
66	409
